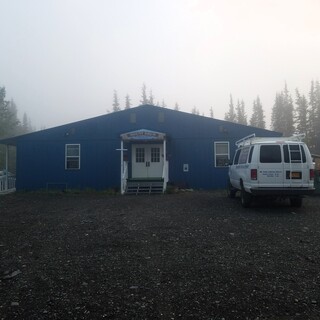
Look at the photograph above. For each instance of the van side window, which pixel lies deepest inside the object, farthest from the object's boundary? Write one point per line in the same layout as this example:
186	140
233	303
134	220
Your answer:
286	153
250	154
244	155
236	157
270	154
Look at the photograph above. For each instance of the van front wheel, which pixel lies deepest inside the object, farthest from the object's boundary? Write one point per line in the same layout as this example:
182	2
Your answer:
246	198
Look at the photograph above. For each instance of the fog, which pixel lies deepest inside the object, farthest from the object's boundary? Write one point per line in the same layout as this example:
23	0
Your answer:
61	60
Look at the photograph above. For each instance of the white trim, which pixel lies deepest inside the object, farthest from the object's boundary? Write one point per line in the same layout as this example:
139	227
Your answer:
66	156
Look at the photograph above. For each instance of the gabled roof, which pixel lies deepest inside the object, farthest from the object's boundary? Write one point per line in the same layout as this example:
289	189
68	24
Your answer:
109	119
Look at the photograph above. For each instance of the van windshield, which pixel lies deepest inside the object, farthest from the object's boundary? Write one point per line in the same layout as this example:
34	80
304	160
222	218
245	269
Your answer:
270	154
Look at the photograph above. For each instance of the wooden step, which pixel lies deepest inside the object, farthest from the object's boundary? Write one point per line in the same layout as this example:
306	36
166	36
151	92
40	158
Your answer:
144	187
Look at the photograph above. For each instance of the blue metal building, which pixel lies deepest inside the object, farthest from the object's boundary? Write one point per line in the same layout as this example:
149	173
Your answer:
141	146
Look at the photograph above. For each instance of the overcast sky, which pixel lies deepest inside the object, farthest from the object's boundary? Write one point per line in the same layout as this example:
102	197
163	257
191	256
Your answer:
60	60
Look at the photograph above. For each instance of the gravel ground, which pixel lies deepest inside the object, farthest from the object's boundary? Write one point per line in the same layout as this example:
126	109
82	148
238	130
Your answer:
190	255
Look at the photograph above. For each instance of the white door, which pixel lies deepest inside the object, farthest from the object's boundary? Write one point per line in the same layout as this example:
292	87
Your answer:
295	165
147	160
271	170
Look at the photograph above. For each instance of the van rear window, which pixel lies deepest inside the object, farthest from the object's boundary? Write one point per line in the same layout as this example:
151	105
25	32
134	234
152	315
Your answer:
296	154
270	154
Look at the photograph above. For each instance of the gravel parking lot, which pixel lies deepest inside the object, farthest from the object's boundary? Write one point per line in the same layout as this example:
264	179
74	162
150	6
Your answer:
189	255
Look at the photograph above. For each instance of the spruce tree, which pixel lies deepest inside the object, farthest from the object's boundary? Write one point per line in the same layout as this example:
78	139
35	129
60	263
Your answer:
282	113
289	110
301	114
151	98
144	99
9	121
115	104
211	113
317	98
314	117
257	117
195	110
230	115
278	114
241	116
128	102
26	126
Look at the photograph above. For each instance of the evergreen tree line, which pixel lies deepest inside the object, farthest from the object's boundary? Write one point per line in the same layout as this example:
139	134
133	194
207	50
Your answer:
10	125
289	116
146	98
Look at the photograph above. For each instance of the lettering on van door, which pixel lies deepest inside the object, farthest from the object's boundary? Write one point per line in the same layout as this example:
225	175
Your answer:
271	173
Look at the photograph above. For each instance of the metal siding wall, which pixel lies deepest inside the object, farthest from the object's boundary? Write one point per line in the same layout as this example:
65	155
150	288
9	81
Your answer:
41	156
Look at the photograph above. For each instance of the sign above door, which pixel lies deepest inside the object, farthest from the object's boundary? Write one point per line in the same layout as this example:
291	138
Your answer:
143	135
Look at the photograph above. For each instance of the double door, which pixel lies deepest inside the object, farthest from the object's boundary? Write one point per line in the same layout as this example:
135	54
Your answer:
147	160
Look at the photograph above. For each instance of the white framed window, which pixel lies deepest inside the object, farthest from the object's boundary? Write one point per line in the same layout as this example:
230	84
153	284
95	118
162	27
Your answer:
221	153
72	158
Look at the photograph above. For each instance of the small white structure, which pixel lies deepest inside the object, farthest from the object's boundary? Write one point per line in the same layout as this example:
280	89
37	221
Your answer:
7	180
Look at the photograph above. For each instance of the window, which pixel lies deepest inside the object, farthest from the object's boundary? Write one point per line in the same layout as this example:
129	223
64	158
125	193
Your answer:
139	155
155	154
270	154
72	156
221	154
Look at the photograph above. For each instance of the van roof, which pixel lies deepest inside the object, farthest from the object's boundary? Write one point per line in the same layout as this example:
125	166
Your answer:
252	139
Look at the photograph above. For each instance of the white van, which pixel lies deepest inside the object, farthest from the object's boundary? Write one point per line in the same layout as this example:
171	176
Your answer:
271	166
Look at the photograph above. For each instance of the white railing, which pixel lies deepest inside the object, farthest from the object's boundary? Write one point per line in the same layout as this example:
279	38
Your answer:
165	176
124	177
7	184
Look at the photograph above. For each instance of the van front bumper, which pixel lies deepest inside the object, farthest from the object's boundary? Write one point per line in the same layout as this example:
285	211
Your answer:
282	191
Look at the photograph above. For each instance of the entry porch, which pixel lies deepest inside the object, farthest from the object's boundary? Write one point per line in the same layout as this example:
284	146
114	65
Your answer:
144	165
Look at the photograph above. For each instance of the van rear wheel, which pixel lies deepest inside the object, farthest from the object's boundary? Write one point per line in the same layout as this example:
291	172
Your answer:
246	198
296	202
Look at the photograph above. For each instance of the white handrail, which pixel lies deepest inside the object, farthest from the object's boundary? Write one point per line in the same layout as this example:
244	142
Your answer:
7	184
124	177
3	180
